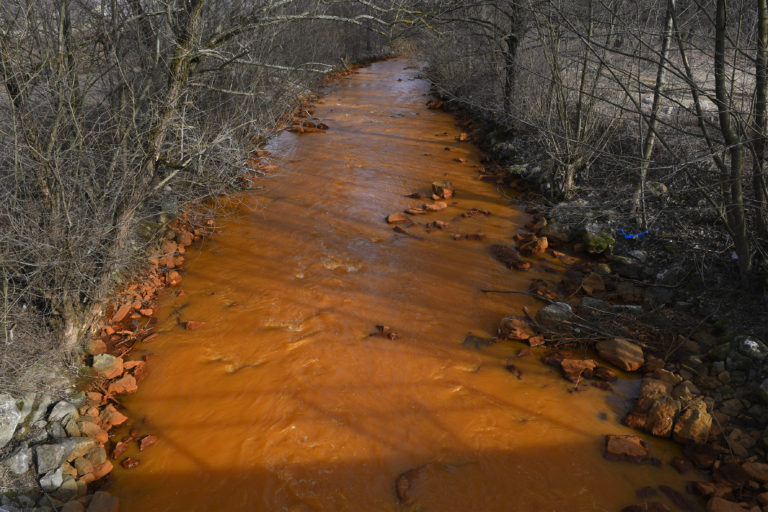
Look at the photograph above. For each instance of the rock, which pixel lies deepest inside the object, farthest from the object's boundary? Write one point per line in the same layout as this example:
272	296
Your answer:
681	464
50	456
19	461
436	206
111	416
751	347
653	363
173	278
678	499
654	409
651	506
535	247
515	328
107	366
139	369
404	484
595	241
721	505
661	418
762	391
121	313
757	470
590	305
67	490
63	411
96	455
73	506
93	430
627	267
52	480
123	386
740	443
576	369
149	440
103	502
10	416
555	233
509	257
442	189
630	448
95	346
702	455
193	325
685	391
130	463
605	374
593	282
396	218
184	238
557	316
621	353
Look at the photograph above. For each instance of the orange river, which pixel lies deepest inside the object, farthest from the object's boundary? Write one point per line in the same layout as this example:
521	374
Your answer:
283	402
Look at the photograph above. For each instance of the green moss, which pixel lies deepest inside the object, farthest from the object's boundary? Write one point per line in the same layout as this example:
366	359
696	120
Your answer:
597	243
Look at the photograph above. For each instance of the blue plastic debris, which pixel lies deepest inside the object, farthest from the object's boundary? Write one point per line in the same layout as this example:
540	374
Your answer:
636	235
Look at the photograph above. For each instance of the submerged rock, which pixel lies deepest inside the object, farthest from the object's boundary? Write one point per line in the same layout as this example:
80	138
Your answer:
630	448
557	317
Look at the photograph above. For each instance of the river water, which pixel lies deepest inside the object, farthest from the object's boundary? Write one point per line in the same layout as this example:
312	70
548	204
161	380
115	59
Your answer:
283	402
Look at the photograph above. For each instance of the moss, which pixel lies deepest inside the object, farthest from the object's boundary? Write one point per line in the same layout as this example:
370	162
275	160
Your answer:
597	243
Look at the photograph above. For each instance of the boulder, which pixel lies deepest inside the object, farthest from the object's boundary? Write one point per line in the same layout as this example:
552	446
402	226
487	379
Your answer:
107	366
693	424
621	353
51	456
10	416
396	218
111	416
751	347
630	448
557	316
661	418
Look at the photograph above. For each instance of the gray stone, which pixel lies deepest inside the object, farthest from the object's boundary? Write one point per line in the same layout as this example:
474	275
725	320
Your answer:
627	267
63	411
751	347
26	407
53	455
557	316
592	304
52	480
631	309
10	416
67	490
19	461
640	256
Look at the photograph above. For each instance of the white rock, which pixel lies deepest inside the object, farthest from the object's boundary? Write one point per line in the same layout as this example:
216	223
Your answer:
10	416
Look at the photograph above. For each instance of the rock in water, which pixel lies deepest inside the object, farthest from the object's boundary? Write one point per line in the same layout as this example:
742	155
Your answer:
442	189
626	447
621	353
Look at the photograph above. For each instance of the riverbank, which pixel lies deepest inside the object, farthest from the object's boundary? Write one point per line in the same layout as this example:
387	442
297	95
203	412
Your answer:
57	447
705	379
